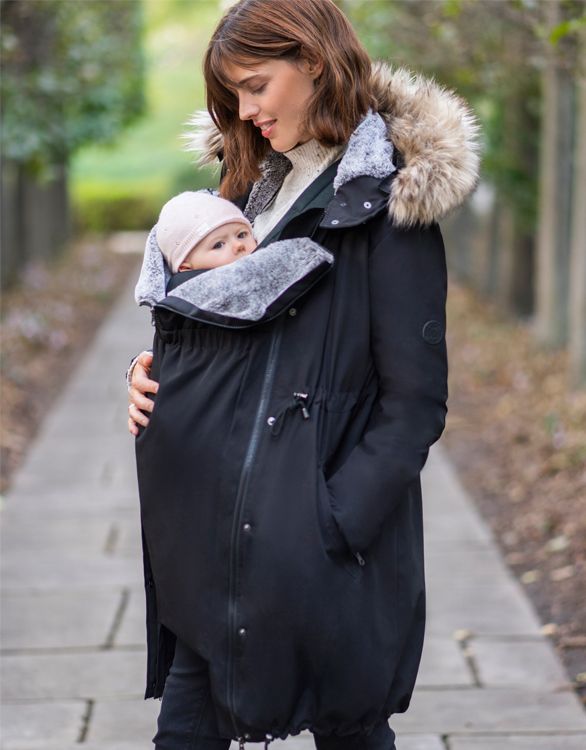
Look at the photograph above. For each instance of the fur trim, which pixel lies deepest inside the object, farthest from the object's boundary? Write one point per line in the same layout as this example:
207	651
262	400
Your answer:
434	130
203	137
437	134
243	289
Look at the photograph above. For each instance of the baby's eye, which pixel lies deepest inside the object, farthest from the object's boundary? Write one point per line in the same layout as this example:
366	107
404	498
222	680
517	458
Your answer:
217	245
243	233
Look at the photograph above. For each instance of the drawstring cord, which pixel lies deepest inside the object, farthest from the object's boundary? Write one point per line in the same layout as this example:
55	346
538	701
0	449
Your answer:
299	401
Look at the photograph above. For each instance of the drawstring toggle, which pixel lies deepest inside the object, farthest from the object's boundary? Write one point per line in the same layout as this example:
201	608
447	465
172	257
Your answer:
299	401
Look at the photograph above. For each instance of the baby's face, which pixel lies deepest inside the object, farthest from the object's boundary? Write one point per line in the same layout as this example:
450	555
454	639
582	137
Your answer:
224	245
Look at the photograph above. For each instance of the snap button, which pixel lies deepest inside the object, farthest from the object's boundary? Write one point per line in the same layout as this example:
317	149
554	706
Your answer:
335	221
246	736
367	204
242	632
292	311
271	420
432	332
247	527
343	205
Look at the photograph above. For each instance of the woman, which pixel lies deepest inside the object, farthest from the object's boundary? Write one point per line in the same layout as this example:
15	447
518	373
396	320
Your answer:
283	550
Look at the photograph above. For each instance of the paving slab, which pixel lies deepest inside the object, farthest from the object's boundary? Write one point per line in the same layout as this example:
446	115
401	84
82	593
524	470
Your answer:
124	720
132	630
34	724
528	742
420	742
475	710
503	663
467	560
495	608
30	534
129	542
448	513
74	502
57	619
48	571
443	663
89	675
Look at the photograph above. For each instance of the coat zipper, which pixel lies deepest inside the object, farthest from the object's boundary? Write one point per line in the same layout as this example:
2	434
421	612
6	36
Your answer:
242	486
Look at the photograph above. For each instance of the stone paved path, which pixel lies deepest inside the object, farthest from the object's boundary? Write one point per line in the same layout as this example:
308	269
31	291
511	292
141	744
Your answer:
73	654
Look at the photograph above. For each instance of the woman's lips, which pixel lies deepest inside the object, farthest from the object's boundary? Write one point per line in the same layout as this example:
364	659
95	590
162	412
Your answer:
266	131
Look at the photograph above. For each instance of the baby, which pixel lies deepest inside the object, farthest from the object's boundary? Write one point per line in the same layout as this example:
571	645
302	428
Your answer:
198	230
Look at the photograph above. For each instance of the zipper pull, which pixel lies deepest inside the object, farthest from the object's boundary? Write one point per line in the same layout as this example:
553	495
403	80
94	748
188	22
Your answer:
301	398
361	560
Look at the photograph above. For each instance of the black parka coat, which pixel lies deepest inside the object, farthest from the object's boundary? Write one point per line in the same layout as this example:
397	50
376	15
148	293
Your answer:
279	476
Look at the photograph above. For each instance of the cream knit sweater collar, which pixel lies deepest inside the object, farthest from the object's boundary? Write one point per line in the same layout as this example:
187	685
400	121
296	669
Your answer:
309	160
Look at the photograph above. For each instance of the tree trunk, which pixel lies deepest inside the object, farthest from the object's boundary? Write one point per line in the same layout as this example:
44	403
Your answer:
553	242
577	303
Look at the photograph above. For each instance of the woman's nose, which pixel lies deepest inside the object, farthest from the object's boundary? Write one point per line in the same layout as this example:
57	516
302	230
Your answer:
247	109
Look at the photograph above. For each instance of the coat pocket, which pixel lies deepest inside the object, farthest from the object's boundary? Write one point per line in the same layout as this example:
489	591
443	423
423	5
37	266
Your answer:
332	537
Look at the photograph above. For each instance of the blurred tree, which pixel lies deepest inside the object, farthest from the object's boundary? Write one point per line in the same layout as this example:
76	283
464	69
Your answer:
517	62
72	73
557	169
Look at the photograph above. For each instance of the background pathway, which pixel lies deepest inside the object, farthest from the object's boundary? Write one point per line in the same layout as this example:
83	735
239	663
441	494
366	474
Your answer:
73	653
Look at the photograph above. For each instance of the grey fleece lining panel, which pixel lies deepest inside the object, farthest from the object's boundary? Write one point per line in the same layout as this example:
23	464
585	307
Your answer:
275	168
369	152
243	289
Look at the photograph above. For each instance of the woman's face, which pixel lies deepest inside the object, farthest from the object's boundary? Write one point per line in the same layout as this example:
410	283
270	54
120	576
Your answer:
274	95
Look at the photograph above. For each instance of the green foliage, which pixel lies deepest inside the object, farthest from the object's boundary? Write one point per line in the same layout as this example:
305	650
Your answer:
113	205
147	164
72	75
567	28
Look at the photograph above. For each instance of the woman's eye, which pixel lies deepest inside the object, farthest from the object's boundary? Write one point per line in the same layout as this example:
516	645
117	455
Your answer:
259	90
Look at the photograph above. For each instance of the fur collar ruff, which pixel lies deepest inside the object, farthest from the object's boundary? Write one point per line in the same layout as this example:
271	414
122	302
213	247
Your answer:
244	289
434	130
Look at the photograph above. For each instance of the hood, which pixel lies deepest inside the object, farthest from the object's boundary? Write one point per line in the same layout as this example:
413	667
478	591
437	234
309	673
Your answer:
433	130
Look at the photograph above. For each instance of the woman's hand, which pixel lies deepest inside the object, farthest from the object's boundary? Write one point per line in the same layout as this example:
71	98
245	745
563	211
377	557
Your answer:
140	385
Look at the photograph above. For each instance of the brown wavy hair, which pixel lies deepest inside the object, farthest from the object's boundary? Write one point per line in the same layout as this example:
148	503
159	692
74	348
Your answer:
252	31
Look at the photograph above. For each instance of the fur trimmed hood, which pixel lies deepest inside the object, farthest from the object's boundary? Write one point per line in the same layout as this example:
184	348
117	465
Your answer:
434	131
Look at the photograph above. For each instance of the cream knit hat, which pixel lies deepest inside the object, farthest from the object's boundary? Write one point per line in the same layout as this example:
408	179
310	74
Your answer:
189	217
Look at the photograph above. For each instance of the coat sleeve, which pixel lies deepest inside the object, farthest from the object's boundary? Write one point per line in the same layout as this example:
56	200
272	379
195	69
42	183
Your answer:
408	289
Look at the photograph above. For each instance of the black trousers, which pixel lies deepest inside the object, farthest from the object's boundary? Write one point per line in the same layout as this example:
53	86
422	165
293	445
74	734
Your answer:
187	719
